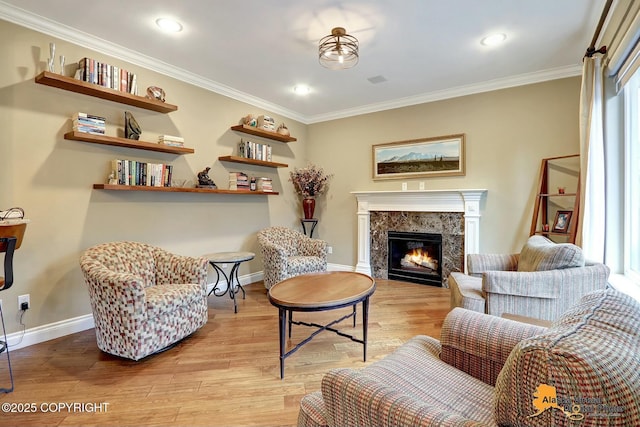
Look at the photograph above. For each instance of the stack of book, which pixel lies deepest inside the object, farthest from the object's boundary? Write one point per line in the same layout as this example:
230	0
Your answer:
132	172
265	185
88	123
174	141
96	72
267	123
238	181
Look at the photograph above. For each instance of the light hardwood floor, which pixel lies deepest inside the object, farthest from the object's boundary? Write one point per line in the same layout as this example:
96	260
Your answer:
226	374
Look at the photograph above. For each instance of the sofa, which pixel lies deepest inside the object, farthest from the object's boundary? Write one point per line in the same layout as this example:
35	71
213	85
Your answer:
542	281
288	253
143	298
583	370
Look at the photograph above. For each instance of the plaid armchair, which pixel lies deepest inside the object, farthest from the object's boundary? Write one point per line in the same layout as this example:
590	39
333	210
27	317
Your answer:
288	253
542	281
490	371
143	298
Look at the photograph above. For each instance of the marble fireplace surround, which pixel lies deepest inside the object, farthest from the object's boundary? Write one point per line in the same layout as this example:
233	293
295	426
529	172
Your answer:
463	201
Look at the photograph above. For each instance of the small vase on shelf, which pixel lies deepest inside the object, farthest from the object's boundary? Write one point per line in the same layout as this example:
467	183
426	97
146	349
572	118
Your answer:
308	206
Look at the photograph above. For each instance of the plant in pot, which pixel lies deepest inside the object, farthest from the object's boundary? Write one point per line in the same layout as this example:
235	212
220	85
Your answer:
309	182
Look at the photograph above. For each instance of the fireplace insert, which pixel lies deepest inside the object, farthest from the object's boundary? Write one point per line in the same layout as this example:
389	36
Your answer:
415	257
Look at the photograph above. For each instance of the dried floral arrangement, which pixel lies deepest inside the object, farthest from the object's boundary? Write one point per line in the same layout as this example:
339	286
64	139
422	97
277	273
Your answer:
310	181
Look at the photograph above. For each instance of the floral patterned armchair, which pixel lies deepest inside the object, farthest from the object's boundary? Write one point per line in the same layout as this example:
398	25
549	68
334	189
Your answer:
143	298
288	253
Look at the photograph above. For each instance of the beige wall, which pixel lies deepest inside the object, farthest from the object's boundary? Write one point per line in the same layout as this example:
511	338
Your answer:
507	133
52	178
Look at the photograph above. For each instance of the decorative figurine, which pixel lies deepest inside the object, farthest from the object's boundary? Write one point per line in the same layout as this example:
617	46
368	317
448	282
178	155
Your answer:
249	120
155	92
204	181
62	60
283	130
131	128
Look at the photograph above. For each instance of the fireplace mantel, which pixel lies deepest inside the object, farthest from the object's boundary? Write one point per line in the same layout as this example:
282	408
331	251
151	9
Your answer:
459	200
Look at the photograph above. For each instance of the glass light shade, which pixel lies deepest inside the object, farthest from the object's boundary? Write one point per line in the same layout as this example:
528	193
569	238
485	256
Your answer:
339	50
169	25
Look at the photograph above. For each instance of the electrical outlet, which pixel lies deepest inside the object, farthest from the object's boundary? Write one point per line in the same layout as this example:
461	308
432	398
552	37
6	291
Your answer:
22	299
329	249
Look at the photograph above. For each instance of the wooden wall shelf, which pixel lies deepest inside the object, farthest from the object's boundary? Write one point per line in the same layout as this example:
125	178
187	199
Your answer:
124	142
67	83
179	190
263	133
236	159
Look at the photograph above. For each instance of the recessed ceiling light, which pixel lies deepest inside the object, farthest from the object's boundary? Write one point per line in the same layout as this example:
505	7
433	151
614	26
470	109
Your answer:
301	89
493	39
169	25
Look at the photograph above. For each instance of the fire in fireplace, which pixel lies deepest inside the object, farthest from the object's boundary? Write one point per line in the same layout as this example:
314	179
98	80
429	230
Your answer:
415	257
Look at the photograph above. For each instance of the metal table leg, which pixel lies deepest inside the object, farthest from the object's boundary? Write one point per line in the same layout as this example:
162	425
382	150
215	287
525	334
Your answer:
231	287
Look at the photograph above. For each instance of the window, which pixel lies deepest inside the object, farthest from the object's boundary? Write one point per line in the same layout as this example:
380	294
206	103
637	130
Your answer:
632	179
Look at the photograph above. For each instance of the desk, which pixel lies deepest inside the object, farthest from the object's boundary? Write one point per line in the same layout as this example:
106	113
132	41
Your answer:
323	291
312	221
235	258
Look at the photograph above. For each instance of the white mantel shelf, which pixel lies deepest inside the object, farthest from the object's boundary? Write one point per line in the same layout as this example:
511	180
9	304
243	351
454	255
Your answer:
455	200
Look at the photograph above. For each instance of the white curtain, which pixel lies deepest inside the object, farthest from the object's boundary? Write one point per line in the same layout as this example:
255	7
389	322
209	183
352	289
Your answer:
591	225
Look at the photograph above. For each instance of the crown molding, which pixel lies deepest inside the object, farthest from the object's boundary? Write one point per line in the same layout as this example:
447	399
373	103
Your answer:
488	86
72	35
44	25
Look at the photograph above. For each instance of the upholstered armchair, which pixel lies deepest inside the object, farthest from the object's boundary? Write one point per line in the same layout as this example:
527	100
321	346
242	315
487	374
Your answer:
542	281
143	298
288	253
491	371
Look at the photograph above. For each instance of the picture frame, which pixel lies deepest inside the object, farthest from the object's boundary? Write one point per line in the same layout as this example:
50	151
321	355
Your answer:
420	158
562	221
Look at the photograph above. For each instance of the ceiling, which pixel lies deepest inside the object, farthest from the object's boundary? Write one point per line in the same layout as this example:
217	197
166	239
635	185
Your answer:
258	50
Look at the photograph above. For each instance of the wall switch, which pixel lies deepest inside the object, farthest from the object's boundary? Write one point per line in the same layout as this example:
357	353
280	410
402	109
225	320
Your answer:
24	299
329	249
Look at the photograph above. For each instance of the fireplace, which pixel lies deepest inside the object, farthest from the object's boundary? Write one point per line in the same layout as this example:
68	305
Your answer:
415	257
453	213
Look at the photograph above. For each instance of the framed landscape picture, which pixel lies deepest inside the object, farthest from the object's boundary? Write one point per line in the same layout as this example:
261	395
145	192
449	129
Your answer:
420	158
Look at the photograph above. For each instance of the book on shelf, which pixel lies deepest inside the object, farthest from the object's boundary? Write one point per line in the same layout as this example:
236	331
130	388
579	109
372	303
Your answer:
174	141
255	150
133	172
88	123
106	75
267	123
265	184
238	181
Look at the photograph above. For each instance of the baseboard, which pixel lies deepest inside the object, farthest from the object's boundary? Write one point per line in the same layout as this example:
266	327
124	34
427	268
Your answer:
51	331
340	267
66	327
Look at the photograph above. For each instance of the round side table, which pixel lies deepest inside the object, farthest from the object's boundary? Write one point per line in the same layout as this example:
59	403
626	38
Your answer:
233	283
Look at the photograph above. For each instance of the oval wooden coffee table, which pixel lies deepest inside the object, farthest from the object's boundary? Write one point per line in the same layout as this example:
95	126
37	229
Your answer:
324	291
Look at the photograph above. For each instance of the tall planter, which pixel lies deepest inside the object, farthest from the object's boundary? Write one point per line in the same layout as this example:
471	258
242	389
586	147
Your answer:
308	206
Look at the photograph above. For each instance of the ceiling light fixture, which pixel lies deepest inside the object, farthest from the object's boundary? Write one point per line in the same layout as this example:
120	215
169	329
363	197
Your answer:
301	90
493	39
169	25
338	51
